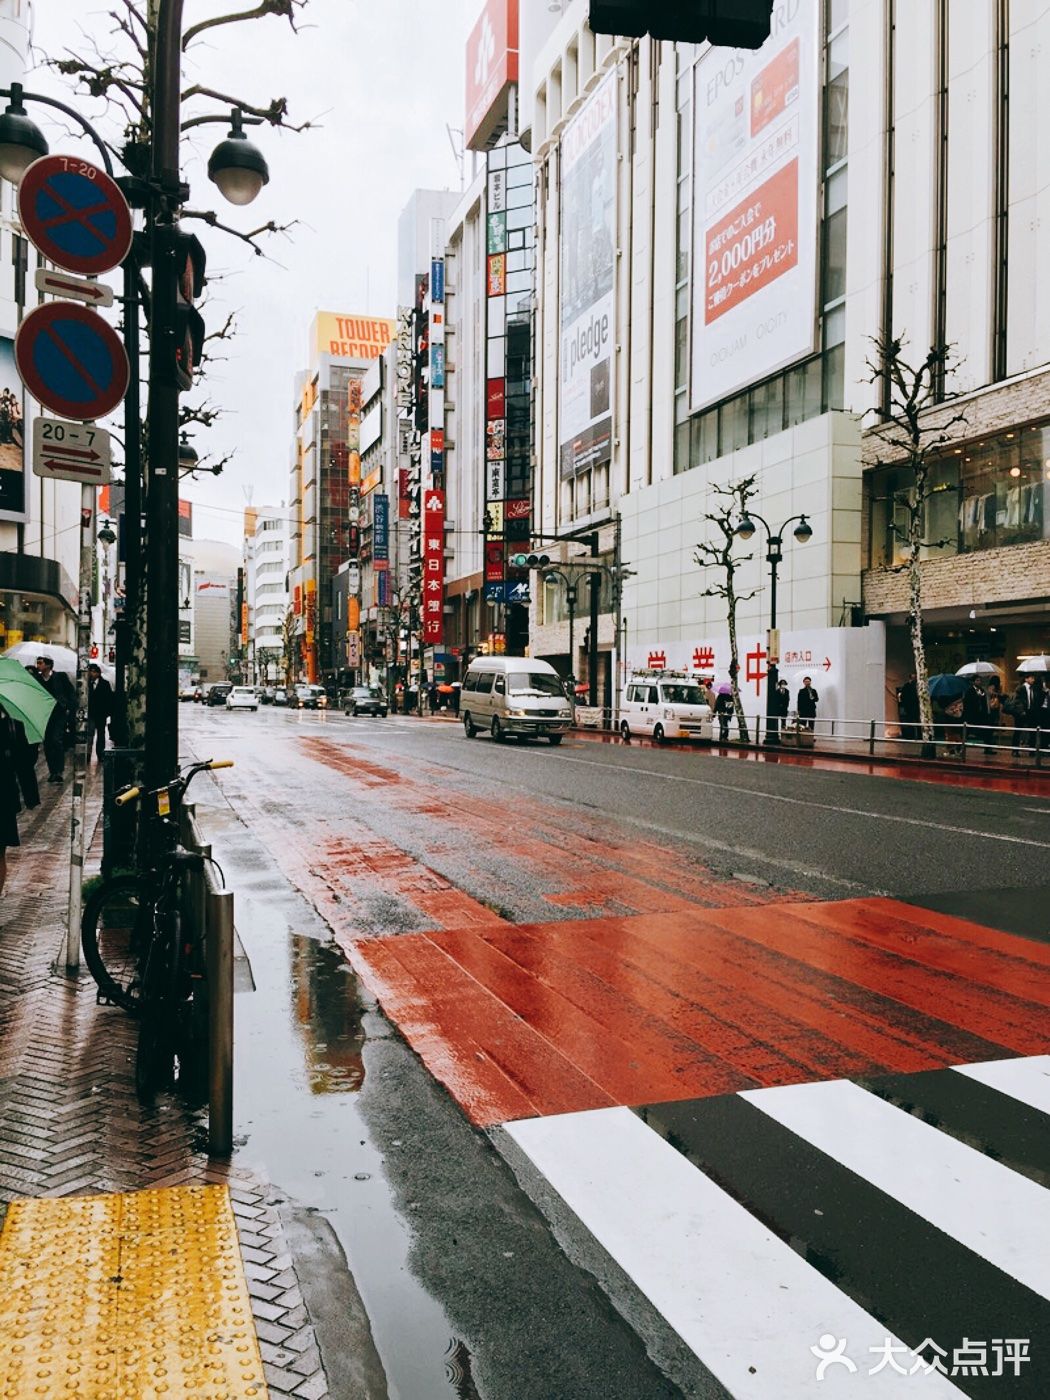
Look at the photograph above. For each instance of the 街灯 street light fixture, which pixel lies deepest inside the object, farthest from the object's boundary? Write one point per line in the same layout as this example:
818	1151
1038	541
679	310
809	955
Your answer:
551	578
106	534
803	533
21	140
237	165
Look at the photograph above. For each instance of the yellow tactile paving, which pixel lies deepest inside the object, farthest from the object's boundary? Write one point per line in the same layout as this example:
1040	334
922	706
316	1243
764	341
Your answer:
138	1296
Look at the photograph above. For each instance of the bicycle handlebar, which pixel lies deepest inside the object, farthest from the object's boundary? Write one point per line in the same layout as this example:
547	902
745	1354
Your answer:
133	794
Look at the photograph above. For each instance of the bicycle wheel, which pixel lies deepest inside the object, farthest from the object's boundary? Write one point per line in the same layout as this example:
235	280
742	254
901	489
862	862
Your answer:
115	927
158	1011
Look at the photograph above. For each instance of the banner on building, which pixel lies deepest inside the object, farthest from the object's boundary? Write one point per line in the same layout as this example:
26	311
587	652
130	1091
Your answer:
492	65
350	337
587	256
185	519
12	436
380	531
244	624
755	206
433	602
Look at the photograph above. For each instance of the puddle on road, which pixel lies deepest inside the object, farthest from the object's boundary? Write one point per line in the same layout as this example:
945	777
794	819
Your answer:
301	1056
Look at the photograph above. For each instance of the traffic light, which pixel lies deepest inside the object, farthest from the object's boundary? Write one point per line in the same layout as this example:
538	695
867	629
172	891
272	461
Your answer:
530	561
742	24
190	261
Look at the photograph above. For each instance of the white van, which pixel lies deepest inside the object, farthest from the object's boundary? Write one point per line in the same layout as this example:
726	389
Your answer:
514	695
665	704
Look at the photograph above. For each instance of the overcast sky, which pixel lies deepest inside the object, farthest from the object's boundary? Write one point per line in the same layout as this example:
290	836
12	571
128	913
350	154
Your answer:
383	78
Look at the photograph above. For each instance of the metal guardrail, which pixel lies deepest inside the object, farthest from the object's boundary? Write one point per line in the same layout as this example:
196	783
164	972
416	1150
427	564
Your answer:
953	740
209	909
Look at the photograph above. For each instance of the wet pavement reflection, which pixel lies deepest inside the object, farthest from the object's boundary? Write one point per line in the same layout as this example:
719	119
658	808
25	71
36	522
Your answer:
302	1055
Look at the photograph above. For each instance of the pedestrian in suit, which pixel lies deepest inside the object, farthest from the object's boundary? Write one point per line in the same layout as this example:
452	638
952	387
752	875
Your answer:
908	708
18	787
975	712
1028	702
60	688
994	697
779	704
806	705
100	707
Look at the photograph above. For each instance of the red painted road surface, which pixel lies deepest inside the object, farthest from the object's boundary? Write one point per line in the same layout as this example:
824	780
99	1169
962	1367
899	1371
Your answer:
526	1020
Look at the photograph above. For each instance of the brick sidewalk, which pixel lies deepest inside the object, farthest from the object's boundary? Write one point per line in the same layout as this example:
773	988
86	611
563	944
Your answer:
70	1123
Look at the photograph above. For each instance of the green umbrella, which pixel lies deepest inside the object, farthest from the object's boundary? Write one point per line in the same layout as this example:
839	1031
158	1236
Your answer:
24	699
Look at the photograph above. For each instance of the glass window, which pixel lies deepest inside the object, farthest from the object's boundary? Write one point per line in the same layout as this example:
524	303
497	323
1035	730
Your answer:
470	681
735	417
767	409
681	352
533	683
704	439
682	271
834	256
484	685
500	686
836	137
834	376
838	14
682	461
803	392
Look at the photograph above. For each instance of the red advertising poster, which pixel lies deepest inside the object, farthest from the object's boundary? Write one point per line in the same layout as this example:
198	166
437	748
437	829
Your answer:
752	245
404	496
494	561
497	399
775	88
519	509
433	567
497	274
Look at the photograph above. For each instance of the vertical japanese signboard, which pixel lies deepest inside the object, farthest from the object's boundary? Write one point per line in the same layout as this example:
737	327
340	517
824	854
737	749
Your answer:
588	311
433	567
380	531
755	187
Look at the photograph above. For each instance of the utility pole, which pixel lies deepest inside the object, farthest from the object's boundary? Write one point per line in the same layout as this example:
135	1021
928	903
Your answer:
162	499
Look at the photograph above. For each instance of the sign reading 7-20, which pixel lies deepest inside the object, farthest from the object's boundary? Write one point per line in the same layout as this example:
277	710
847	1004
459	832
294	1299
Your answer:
75	214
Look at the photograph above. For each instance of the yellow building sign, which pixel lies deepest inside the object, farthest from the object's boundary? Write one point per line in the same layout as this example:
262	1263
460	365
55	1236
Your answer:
350	337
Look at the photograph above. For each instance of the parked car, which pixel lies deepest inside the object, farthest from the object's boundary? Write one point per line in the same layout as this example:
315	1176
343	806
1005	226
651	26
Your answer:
217	693
242	697
188	692
365	700
514	695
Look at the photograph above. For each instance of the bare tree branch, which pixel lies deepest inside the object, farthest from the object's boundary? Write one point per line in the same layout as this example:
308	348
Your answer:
283	9
250	237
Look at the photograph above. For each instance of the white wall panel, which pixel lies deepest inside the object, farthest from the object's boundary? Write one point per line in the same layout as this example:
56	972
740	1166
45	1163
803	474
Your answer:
1028	295
914	189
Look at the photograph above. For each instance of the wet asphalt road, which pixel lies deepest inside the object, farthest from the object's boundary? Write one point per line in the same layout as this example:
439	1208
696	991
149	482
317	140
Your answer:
825	833
455	1285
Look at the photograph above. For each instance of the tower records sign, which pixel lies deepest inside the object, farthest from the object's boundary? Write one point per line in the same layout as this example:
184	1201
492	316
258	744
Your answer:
755	192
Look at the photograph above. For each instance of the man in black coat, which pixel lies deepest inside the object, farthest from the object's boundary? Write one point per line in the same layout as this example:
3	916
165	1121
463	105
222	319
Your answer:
908	708
100	707
60	688
975	712
1027	709
806	704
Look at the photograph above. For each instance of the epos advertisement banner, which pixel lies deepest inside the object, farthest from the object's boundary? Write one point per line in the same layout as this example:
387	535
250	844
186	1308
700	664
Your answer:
433	567
755	206
587	318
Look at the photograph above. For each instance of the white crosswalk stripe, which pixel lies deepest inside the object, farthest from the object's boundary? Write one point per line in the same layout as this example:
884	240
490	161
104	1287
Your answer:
770	1226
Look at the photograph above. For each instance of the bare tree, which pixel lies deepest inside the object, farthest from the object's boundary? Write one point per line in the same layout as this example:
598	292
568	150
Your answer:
288	645
716	552
914	428
116	66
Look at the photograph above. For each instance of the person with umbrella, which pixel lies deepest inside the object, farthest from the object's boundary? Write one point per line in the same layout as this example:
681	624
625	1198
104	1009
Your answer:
25	709
908	708
975	710
946	693
724	711
59	687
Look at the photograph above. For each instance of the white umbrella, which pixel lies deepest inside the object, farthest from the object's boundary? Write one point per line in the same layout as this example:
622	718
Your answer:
27	652
978	668
1035	663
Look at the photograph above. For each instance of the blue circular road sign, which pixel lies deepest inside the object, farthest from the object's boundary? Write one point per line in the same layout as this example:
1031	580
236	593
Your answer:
72	361
75	214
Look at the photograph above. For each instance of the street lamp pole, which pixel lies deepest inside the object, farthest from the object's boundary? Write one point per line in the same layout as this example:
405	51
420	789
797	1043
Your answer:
550	577
803	532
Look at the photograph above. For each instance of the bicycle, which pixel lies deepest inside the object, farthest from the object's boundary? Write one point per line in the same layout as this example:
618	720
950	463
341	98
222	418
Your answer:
131	933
